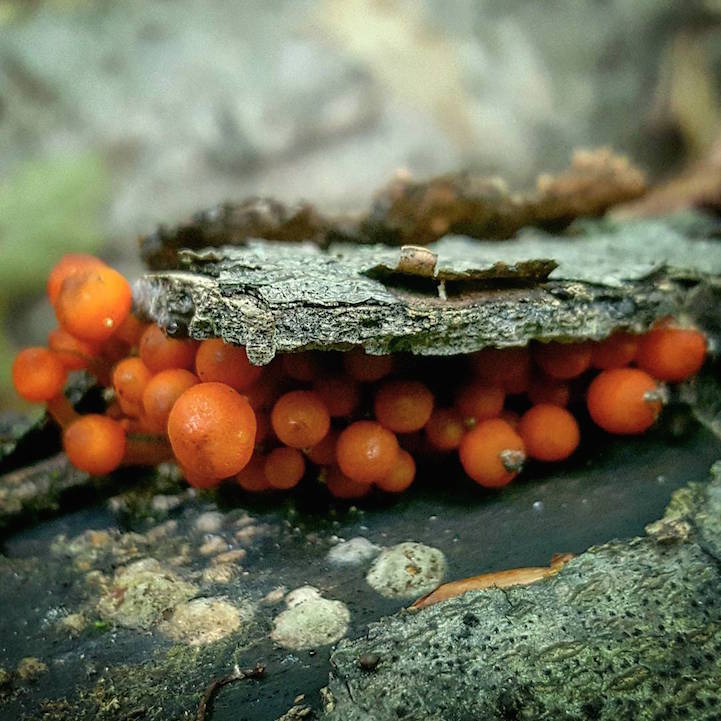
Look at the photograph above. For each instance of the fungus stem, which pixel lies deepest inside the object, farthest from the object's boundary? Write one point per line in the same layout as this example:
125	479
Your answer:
61	410
146	450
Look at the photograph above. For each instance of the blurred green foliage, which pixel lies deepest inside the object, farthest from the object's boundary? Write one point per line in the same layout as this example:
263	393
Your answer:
47	208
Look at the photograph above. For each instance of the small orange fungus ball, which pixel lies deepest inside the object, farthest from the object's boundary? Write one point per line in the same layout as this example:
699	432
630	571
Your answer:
159	352
507	367
511	417
340	394
302	366
212	430
284	467
340	486
130	377
68	265
624	400
323	452
366	451
492	453
367	368
549	390
95	444
199	479
219	361
402	475
616	351
252	477
403	406
445	429
160	394
549	433
672	354
130	331
38	374
93	303
563	360
300	419
479	401
73	353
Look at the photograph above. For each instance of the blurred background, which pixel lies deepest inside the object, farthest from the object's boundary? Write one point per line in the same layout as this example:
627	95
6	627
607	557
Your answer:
116	115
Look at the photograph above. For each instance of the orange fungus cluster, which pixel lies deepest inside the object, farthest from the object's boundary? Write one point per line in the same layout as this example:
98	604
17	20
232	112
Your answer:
355	421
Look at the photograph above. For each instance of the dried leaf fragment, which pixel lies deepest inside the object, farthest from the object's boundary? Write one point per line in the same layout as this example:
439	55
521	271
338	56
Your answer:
497	579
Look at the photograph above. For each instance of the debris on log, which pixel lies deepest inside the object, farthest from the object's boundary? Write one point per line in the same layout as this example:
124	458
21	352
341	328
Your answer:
626	630
415	212
456	295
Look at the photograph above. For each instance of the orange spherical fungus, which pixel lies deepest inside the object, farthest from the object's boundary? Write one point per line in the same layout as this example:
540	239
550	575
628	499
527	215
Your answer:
625	401
445	429
159	352
506	367
130	378
93	303
492	453
160	394
478	401
212	430
366	451
200	479
95	444
616	351
222	362
252	477
549	390
367	368
131	331
73	353
340	394
284	467
511	417
672	354
549	432
340	486
403	406
38	374
300	419
402	475
323	452
563	360
68	265
302	367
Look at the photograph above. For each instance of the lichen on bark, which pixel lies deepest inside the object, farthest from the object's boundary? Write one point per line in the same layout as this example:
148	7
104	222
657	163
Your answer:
628	629
275	297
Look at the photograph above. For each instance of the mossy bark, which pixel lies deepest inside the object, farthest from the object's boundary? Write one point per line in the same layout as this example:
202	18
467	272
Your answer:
626	630
454	296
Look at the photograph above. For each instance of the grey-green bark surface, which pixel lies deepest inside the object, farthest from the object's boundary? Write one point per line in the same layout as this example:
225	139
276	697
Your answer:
275	297
628	630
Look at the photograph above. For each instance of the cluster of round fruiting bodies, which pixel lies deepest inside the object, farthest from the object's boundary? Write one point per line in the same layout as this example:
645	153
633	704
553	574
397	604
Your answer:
354	420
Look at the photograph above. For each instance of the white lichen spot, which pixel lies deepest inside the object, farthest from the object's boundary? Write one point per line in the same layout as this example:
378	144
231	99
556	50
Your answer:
213	544
274	597
206	620
209	522
222	573
163	503
73	624
407	570
353	552
31	668
142	592
235	555
310	620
